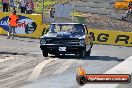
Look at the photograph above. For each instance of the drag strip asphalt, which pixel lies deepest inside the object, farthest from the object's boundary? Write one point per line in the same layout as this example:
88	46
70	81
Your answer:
21	58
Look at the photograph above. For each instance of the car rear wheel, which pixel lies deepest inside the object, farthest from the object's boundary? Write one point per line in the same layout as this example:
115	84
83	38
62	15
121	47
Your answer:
45	54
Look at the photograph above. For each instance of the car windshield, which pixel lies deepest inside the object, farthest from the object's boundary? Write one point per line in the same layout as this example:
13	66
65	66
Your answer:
71	28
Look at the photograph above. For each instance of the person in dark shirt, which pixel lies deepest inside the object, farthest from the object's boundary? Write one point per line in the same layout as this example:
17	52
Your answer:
52	13
5	4
129	9
130	5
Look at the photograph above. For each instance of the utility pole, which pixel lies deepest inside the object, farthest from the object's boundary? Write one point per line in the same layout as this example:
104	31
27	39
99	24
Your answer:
43	13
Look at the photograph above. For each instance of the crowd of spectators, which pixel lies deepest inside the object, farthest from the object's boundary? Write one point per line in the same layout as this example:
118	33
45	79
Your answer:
25	6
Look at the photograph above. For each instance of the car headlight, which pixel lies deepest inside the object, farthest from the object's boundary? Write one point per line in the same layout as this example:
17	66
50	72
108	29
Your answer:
81	42
43	41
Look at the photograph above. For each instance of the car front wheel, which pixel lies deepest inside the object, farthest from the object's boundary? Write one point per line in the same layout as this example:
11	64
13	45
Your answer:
57	55
45	54
82	54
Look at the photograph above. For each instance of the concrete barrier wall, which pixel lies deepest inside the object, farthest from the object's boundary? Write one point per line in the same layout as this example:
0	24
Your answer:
122	68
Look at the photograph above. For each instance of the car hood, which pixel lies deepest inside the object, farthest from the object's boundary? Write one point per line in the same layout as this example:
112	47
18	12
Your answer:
61	35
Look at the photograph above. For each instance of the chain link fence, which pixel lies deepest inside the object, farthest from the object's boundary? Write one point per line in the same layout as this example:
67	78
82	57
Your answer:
99	14
59	11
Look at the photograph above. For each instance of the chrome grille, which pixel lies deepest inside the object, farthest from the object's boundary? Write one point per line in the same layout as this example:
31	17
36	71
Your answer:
66	42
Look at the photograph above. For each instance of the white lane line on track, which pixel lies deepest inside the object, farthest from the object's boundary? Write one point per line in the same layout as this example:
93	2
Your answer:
6	59
64	67
37	70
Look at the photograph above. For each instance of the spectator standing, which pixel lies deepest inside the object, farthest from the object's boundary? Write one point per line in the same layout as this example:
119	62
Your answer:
5	5
130	5
13	19
29	7
22	6
129	9
52	15
12	3
32	6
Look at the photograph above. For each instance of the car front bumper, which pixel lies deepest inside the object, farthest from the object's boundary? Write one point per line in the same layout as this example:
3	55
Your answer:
66	49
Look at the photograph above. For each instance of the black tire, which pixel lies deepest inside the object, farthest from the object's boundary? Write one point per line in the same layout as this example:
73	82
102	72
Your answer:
57	55
82	54
88	52
81	80
45	54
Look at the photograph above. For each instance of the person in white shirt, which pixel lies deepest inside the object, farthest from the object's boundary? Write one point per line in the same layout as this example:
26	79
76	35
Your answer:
22	5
